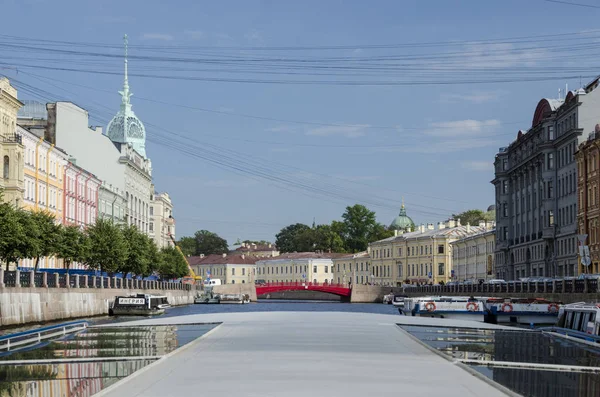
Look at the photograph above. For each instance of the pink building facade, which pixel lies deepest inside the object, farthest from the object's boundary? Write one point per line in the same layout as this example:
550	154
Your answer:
81	196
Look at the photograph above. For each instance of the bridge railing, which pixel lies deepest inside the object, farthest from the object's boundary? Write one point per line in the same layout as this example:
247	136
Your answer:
579	286
31	279
301	284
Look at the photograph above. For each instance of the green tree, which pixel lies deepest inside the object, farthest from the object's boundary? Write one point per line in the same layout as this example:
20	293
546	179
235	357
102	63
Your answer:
472	217
287	238
12	234
380	232
173	265
210	243
187	245
155	258
108	248
72	246
360	226
138	259
44	230
320	238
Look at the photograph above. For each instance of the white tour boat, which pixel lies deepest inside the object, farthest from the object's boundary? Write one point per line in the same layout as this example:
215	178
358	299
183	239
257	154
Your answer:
455	307
521	311
579	320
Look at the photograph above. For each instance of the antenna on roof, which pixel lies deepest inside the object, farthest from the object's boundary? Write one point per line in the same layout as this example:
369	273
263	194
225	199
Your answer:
580	83
559	91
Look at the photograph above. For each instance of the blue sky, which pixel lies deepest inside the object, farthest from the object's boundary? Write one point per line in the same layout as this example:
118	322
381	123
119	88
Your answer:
433	144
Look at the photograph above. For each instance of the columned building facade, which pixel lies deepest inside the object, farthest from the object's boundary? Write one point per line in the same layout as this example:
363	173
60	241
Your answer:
536	189
81	196
162	223
11	146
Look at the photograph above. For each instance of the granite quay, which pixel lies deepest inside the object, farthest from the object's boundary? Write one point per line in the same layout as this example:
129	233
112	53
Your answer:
28	297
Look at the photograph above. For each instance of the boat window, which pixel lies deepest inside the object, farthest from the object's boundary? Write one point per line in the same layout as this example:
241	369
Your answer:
593	316
576	321
585	319
569	322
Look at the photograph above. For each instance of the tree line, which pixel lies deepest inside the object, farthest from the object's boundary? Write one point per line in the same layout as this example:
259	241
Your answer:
353	233
103	246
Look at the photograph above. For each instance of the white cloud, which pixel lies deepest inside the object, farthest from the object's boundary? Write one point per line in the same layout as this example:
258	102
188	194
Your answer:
253	36
280	128
195	34
157	36
463	128
478	165
349	131
474	97
500	55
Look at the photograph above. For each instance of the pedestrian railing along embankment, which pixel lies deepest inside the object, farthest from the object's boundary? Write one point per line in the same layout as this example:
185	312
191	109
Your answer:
33	279
26	338
573	286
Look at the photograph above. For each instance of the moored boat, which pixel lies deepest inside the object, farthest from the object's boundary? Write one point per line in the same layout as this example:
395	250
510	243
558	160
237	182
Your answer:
398	301
521	310
387	299
235	298
207	297
579	320
455	307
138	305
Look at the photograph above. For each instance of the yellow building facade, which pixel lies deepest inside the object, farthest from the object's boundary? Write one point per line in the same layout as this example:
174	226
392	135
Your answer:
353	268
297	267
11	147
423	256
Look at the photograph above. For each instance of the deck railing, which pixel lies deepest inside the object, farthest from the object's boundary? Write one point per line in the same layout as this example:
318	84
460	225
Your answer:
31	279
578	286
21	339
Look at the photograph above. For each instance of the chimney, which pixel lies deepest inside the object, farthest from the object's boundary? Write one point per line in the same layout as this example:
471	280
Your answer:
430	226
224	255
458	222
243	256
421	228
451	223
482	224
270	245
201	255
395	233
468	227
441	225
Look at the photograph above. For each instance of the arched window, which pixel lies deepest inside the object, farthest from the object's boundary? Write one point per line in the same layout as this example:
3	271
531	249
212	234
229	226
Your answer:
6	167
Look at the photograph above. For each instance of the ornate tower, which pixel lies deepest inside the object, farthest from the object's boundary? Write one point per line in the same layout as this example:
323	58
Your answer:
125	127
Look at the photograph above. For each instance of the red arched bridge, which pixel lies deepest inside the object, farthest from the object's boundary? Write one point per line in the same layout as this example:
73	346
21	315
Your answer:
336	289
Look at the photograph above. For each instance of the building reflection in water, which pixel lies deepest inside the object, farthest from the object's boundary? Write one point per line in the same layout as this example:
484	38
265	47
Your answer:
86	379
520	346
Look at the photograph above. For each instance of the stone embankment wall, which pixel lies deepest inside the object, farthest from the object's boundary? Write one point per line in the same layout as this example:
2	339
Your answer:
33	305
302	295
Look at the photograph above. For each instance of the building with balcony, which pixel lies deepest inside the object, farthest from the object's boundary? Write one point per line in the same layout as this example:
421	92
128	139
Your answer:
588	214
536	188
473	256
11	146
162	223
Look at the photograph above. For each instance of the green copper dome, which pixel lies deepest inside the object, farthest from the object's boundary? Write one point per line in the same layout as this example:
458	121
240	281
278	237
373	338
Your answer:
402	221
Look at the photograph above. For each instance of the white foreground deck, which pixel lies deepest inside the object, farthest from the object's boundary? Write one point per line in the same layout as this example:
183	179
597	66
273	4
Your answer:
306	354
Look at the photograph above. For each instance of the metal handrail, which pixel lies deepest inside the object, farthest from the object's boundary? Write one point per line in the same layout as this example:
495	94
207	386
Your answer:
8	342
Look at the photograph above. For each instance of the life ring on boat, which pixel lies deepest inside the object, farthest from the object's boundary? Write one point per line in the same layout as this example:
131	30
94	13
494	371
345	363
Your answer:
430	306
553	308
472	306
507	307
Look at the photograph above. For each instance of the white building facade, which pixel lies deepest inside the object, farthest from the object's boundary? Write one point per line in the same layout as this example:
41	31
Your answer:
162	223
297	267
473	256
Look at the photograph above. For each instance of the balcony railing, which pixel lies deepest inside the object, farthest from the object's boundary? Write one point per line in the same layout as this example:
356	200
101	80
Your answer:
12	138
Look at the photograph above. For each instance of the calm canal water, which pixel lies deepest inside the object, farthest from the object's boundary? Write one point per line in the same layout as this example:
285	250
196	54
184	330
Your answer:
270	305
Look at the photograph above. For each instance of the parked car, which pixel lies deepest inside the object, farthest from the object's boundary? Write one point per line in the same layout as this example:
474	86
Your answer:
496	281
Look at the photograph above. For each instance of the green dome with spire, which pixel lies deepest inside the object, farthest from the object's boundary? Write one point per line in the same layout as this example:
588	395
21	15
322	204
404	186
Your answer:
402	221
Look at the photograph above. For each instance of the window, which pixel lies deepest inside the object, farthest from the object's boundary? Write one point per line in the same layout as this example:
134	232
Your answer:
6	167
441	249
400	270
400	251
550	189
232	281
441	268
504	187
243	271
421	250
550	164
326	269
505	164
151	210
505	210
233	271
151	226
315	269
